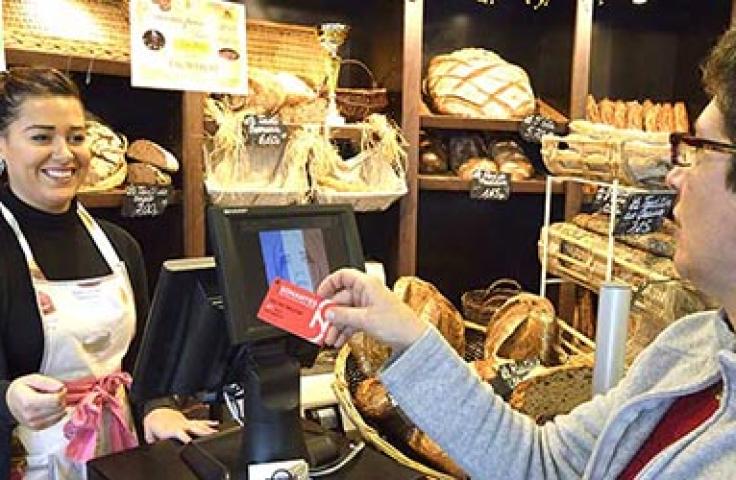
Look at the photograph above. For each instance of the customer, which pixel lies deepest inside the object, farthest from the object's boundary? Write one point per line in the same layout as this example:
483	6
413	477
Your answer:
674	413
71	292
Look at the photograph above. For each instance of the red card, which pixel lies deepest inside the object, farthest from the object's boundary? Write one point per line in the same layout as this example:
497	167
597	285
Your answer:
296	310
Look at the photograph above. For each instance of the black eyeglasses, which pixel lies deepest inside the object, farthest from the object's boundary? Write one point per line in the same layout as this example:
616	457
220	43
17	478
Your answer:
681	159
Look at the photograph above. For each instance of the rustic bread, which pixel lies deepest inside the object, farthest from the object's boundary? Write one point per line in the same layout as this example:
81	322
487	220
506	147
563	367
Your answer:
425	446
553	391
369	353
467	169
658	243
295	89
372	399
107	166
474	82
592	112
147	151
682	124
431	306
147	174
524	328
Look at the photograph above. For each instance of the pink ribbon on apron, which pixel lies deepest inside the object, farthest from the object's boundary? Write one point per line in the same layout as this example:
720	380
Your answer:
90	396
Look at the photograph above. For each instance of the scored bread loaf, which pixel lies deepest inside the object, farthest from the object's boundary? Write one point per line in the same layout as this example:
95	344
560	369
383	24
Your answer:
369	353
146	174
553	391
431	306
473	82
524	328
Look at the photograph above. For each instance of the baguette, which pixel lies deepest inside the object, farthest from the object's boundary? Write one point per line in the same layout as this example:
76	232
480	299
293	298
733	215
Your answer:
682	124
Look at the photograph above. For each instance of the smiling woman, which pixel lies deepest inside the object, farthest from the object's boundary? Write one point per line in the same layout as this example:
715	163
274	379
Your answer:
72	293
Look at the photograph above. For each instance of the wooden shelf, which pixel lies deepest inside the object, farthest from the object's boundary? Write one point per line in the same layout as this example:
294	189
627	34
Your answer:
451	183
114	198
66	62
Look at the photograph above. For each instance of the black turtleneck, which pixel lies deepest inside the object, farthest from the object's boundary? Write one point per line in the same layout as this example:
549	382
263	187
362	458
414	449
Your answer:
64	250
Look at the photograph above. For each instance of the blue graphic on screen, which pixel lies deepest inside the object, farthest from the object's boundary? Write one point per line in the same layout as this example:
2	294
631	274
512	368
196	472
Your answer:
295	255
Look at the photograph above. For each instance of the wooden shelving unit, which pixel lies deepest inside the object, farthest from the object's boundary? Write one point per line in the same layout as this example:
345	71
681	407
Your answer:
453	183
65	62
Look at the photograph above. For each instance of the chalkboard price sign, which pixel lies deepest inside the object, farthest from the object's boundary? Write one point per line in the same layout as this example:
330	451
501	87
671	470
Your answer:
533	127
145	200
263	131
643	213
602	200
487	185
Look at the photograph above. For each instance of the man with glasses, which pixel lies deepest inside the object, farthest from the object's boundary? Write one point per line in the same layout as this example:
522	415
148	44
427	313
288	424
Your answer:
674	413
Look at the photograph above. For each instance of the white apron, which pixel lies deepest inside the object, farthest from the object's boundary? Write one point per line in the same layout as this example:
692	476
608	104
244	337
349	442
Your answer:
87	326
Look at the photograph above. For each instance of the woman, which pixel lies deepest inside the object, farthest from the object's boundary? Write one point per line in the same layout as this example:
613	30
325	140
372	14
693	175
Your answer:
71	292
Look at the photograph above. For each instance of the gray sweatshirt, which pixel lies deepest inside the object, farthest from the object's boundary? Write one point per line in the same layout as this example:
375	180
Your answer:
488	439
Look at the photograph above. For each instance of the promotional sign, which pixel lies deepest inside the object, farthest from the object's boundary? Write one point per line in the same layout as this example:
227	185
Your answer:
644	213
194	45
533	127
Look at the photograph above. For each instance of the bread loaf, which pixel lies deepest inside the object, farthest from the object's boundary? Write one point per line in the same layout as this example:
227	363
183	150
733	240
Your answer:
658	243
425	446
147	151
524	328
553	391
592	112
467	169
431	306
147	174
634	118
682	124
107	166
372	399
473	82
369	353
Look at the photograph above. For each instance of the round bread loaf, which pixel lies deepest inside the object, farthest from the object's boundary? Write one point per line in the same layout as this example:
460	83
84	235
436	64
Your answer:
473	82
467	169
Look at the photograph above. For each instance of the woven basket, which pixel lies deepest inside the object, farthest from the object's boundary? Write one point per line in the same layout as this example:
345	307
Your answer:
480	305
357	103
348	376
360	201
280	47
109	40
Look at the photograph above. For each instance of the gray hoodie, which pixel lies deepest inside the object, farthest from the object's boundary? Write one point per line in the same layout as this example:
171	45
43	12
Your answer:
441	394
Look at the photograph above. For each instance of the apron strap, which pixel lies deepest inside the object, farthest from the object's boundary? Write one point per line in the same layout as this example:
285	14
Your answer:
99	237
95	231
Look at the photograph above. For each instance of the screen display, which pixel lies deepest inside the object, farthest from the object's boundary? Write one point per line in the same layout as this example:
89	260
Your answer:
295	255
299	244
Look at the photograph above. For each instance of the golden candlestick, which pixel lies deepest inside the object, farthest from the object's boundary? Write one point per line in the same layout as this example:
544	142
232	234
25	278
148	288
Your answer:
332	36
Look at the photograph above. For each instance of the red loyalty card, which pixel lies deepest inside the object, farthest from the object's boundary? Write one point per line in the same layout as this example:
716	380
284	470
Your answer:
296	310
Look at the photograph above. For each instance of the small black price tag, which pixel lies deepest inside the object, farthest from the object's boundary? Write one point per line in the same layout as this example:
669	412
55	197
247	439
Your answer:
602	200
511	374
263	131
533	127
643	213
145	200
487	185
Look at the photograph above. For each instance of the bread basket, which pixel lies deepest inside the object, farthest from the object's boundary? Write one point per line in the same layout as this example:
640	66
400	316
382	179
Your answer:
357	103
480	305
347	378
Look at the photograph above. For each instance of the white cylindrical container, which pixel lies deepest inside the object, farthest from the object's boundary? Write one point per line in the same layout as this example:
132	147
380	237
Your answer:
610	339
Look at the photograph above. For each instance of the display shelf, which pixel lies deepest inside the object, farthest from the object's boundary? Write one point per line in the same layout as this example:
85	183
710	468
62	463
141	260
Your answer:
453	183
453	122
66	62
114	198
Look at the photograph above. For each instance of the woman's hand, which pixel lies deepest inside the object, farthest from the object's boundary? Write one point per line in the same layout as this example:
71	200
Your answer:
163	423
36	401
370	307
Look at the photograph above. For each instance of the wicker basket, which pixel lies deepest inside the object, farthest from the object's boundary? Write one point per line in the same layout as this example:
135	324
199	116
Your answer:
361	201
480	305
288	48
348	376
357	103
236	197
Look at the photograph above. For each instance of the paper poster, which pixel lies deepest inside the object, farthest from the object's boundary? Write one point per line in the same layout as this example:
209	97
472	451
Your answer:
195	45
